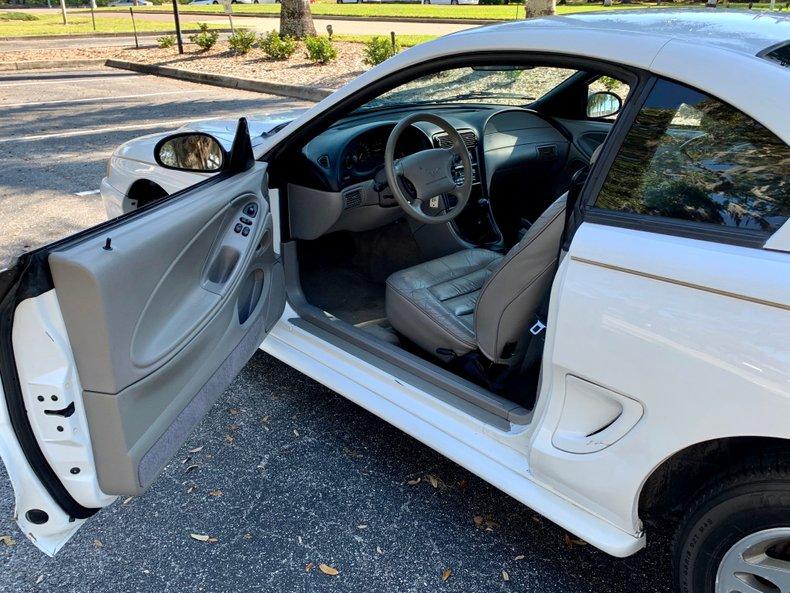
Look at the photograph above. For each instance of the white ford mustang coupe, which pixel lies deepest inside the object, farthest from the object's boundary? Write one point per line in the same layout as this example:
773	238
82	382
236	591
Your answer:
557	251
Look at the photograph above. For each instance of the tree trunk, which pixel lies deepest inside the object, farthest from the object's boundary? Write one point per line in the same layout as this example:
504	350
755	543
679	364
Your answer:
296	20
535	8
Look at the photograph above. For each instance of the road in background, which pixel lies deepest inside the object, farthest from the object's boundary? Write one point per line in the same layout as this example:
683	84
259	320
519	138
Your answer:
59	128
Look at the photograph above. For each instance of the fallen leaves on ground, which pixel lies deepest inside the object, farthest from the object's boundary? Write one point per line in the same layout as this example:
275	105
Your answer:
308	567
487	523
296	433
247	536
414	482
215	493
330	570
570	542
362	526
97	544
463	485
505	576
203	538
194	466
520	557
196	449
233	411
191	489
128	500
39	579
229	439
446	574
353	453
379	550
434	481
7	540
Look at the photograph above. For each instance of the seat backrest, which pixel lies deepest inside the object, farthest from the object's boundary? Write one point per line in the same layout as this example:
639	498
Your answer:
509	298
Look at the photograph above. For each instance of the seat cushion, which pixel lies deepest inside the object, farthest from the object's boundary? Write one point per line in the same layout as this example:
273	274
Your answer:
433	304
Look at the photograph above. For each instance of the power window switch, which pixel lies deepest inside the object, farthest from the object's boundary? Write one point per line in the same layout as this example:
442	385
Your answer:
246	221
245	231
238	227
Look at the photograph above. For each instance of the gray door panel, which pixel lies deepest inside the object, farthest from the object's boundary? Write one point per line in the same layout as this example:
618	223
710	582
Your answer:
162	322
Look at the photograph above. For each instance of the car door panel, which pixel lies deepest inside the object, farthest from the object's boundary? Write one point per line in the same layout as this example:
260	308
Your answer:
162	312
588	134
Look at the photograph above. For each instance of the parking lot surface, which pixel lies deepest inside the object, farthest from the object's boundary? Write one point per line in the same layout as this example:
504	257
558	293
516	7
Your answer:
283	473
59	128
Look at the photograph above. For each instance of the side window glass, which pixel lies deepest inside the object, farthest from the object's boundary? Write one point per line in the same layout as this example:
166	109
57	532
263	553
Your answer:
691	157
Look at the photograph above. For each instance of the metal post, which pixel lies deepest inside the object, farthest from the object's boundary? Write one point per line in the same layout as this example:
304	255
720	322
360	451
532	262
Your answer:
93	15
134	28
63	11
392	37
178	27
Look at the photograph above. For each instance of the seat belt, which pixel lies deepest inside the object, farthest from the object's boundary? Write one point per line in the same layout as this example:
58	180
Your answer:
537	332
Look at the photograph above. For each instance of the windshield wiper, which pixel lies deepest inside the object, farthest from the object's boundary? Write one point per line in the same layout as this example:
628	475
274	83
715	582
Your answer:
480	95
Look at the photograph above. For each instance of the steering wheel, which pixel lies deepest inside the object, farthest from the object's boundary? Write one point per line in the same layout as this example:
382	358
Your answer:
428	172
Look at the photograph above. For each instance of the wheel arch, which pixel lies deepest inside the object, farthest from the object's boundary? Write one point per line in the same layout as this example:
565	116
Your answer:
144	191
681	476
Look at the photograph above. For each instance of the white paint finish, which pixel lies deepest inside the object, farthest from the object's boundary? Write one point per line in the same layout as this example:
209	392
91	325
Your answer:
29	493
467	441
90	192
593	417
704	364
780	240
49	382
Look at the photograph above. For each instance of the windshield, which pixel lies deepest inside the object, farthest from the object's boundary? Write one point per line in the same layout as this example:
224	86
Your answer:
501	85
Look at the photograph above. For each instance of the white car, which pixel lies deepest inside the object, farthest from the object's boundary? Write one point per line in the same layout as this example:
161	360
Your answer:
557	251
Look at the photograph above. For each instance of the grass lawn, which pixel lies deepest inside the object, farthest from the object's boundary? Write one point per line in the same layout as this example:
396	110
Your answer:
427	11
51	24
404	40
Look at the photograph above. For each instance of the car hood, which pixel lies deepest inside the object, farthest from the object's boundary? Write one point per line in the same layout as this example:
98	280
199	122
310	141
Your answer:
261	127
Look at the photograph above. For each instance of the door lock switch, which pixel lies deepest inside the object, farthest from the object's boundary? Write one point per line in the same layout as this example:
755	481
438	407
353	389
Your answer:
246	221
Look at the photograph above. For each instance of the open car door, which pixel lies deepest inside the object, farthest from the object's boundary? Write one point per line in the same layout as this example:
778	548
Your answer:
115	342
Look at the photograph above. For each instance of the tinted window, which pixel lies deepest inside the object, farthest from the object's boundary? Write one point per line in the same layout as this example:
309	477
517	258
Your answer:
691	157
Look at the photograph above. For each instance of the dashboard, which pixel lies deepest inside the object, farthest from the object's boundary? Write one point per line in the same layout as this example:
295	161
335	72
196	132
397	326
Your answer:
513	150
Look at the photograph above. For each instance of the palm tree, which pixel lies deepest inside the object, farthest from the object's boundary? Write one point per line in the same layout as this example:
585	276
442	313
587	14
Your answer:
296	20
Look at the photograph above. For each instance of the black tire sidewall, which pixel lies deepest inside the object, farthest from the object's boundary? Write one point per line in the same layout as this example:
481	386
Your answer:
720	522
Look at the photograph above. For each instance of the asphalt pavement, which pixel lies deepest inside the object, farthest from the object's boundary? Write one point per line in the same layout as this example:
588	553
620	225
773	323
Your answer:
283	473
59	128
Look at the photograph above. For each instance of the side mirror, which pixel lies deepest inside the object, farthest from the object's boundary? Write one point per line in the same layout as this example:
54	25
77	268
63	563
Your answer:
190	151
603	104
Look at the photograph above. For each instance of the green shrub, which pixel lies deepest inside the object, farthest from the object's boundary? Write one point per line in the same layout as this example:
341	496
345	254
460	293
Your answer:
166	41
241	41
17	16
204	39
276	47
379	49
320	49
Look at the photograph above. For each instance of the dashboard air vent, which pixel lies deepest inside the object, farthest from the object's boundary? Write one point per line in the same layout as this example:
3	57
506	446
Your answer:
352	199
323	160
547	153
443	140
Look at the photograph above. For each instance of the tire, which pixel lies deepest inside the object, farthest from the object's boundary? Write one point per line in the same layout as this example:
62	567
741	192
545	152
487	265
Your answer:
743	516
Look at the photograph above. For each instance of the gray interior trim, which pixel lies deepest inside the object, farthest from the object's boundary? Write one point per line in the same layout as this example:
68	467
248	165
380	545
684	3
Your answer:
404	365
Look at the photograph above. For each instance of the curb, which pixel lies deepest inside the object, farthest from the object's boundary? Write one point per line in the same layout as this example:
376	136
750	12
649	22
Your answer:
47	64
305	93
328	17
108	35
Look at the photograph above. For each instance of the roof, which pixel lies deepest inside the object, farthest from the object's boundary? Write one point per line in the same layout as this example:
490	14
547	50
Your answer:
747	32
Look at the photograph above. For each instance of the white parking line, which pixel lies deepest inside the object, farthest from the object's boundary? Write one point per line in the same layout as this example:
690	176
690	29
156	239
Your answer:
88	132
68	101
90	192
67	81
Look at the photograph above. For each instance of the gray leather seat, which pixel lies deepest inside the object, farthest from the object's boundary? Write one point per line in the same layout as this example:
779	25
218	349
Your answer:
478	299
